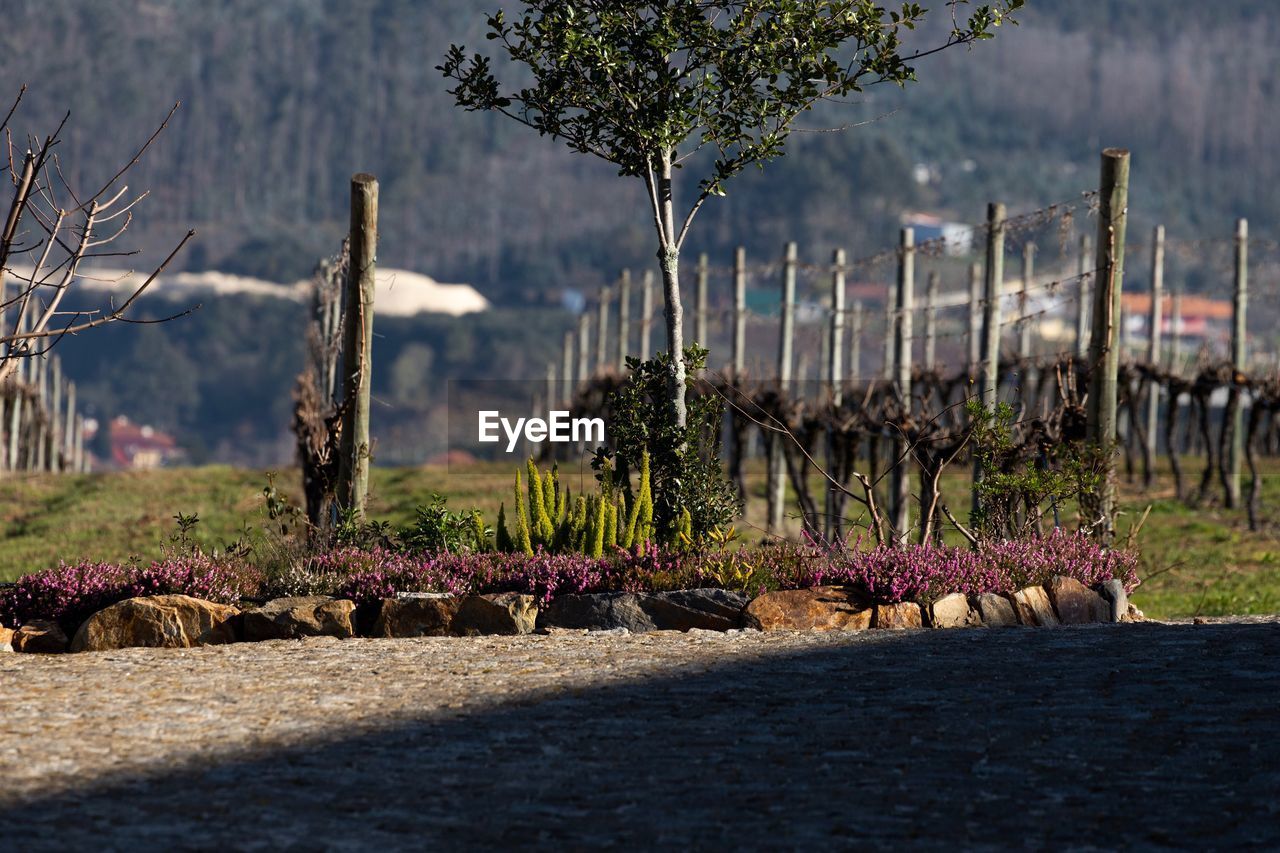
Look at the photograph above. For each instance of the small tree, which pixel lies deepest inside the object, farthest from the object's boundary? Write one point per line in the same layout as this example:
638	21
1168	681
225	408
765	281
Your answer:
649	85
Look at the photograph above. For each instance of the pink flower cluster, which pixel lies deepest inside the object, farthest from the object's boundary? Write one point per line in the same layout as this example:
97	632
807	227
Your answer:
70	594
926	572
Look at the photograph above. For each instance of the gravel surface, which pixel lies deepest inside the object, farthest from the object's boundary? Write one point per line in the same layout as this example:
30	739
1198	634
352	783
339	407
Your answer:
1144	735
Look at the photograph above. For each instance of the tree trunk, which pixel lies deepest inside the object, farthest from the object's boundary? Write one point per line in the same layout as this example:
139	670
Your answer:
669	258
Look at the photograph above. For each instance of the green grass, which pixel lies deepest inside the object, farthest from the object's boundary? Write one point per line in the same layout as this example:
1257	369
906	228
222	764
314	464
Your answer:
1194	560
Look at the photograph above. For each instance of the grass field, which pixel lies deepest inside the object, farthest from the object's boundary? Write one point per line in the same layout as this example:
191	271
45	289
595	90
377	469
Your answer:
1195	561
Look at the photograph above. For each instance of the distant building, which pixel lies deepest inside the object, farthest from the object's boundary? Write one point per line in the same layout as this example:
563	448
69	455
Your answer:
957	237
141	448
1203	321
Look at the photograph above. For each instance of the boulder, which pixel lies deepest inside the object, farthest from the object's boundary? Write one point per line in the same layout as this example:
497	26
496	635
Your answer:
160	621
6	639
1075	603
822	608
1117	599
693	609
1033	607
897	617
499	613
297	617
417	615
40	636
953	611
996	611
603	611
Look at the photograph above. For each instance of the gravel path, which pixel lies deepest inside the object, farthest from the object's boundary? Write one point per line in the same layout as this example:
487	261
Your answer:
1095	737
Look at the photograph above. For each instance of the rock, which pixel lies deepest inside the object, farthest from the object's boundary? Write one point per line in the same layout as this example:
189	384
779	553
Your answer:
1117	599
297	617
1133	614
40	636
1075	603
603	611
996	611
6	639
499	613
1033	607
822	608
897	617
953	611
690	609
416	615
160	621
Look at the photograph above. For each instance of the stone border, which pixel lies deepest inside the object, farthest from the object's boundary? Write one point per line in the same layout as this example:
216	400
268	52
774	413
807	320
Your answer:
179	621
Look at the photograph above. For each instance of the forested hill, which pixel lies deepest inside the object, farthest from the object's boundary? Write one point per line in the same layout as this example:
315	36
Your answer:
284	100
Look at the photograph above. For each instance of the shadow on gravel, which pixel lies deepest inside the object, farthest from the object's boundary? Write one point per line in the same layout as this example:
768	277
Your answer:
1138	736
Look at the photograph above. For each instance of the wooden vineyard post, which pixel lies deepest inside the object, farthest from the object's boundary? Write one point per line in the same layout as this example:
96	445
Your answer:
357	347
931	321
993	284
55	416
1104	343
1026	370
1239	356
624	319
566	370
700	302
975	316
1154	338
602	330
1084	276
1175	332
69	429
855	350
902	334
584	349
646	314
890	325
777	463
835	350
739	312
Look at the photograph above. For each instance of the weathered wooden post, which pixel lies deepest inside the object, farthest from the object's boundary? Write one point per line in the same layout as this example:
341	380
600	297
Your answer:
786	339
646	314
81	459
855	353
1239	356
624	319
1084	275
357	347
1175	330
739	311
890	329
975	316
584	349
551	386
700	334
1155	320
1026	370
993	285
902	334
1104	343
835	351
68	431
931	321
566	369
777	463
55	417
602	330
40	422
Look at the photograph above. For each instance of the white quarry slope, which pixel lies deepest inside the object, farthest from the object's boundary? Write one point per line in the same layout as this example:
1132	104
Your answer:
399	293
